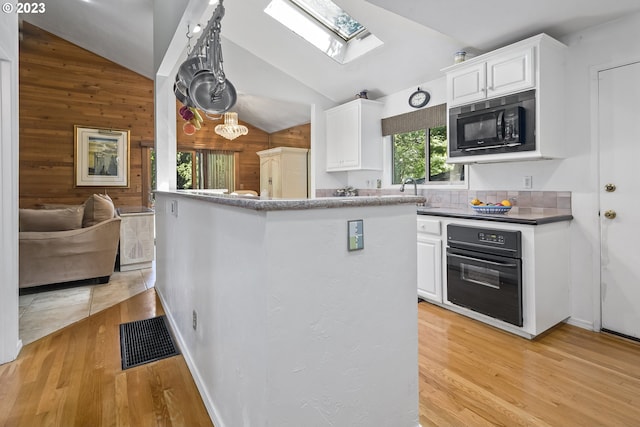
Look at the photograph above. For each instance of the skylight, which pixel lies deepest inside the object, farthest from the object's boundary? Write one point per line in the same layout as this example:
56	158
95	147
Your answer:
332	16
326	26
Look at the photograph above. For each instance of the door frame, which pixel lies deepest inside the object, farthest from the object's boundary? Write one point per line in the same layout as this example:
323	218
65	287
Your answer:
595	159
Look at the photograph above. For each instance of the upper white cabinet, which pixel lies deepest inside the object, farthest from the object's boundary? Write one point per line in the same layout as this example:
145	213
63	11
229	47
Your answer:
537	64
511	69
467	84
510	72
354	136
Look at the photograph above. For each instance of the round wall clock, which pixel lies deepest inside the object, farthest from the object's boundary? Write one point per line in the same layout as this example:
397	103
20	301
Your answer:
419	98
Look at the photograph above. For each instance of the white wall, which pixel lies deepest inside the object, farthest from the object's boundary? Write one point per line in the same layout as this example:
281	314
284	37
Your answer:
9	341
294	330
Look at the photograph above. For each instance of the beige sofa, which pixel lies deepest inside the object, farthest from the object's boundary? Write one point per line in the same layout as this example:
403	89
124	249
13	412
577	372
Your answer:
67	243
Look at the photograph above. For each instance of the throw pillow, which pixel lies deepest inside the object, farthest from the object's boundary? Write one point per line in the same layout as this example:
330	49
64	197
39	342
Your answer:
51	219
97	208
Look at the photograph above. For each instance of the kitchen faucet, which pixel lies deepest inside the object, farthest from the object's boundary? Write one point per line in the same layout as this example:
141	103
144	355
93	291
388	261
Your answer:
415	185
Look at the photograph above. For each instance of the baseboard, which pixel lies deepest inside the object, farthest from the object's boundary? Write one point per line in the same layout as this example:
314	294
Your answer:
197	378
580	323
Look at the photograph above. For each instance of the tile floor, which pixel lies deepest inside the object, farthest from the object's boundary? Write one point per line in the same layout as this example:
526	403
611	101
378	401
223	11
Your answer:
45	310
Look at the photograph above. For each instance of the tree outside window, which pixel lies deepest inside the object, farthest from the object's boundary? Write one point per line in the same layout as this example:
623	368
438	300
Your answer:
426	163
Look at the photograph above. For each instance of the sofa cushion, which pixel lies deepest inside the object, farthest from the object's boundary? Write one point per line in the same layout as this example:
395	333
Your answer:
97	208
69	218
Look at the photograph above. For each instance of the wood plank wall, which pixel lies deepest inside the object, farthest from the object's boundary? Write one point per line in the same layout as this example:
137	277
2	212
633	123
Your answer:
297	136
62	85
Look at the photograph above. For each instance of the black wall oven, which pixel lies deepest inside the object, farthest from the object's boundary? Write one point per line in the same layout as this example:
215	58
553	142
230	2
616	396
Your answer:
500	125
484	271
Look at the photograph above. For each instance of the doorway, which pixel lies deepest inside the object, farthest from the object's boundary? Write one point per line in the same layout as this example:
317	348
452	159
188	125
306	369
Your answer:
619	149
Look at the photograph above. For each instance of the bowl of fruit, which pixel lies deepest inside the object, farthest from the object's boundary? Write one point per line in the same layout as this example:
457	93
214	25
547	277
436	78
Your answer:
491	208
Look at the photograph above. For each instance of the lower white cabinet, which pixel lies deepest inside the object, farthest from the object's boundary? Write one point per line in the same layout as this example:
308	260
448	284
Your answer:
545	273
283	172
429	260
137	238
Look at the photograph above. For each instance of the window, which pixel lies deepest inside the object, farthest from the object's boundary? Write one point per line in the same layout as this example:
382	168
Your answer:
205	169
419	148
426	163
326	26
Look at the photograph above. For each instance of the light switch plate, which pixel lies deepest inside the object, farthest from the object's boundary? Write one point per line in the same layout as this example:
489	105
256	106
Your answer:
355	238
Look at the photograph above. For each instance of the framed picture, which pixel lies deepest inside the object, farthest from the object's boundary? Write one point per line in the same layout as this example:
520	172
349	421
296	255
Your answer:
101	157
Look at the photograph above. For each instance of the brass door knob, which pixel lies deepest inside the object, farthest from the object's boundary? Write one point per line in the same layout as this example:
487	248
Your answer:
610	214
610	188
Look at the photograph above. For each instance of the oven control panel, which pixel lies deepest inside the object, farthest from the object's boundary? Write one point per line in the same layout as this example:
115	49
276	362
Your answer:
489	240
491	237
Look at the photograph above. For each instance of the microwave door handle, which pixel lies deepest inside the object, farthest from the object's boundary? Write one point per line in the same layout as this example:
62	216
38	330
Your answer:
500	126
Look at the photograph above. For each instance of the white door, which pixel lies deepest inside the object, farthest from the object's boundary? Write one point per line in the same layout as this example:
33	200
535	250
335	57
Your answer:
619	139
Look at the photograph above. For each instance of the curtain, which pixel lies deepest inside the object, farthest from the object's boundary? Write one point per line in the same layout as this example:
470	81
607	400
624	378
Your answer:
216	169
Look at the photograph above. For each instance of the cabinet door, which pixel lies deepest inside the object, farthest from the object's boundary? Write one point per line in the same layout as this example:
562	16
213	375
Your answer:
510	72
429	268
343	138
265	175
275	189
467	84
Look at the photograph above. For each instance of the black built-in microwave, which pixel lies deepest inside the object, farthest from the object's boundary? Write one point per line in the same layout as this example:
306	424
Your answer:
500	125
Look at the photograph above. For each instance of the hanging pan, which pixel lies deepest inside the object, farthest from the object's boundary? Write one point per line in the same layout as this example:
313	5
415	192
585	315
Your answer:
191	68
182	93
211	91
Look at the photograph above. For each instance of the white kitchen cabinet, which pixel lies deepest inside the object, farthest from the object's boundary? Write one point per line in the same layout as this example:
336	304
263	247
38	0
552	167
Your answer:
508	70
354	136
545	273
429	260
535	63
467	84
137	238
283	172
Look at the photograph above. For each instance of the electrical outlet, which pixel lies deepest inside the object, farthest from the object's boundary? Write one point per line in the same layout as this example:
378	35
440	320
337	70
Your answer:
527	182
195	320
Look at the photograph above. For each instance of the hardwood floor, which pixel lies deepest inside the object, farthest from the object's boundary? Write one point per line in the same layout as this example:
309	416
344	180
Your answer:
469	374
73	378
475	375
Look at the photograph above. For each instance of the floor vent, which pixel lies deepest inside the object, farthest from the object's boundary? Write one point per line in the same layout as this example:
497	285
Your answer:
145	341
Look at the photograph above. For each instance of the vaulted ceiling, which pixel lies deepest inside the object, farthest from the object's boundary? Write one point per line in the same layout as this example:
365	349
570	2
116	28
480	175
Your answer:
420	38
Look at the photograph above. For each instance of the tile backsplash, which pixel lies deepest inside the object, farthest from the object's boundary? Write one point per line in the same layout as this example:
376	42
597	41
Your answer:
460	198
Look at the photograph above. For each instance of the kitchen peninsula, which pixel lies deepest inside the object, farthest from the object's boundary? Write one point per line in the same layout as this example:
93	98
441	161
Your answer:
281	318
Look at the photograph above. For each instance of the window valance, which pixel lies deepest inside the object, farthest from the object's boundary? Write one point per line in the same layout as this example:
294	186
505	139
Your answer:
425	118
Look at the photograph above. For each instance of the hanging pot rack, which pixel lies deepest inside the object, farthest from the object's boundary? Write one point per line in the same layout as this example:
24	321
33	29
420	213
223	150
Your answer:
201	81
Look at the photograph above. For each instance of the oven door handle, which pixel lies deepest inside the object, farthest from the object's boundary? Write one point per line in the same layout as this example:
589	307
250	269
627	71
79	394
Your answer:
481	260
476	245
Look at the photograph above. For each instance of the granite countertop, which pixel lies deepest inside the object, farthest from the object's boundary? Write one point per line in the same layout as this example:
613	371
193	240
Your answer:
260	204
531	216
